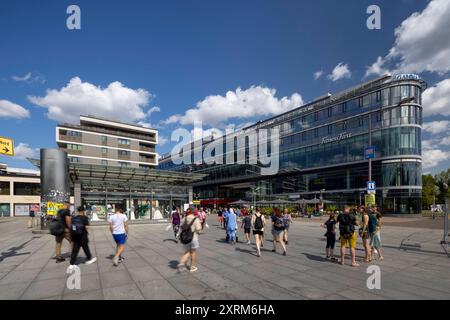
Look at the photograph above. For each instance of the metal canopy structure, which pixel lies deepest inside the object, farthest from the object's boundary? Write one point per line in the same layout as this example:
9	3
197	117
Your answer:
93	175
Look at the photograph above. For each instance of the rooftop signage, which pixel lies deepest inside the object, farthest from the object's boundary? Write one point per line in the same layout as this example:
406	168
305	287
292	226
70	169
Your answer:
406	76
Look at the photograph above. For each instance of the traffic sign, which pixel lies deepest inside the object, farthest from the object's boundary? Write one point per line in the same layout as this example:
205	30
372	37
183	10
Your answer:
369	200
6	146
371	186
369	153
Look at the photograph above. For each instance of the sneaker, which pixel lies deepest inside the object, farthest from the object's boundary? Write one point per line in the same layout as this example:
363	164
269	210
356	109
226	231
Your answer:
284	253
115	261
193	269
71	267
287	242
91	261
248	242
273	250
60	259
258	254
121	259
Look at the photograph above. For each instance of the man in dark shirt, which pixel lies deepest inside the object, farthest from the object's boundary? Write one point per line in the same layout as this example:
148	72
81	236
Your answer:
80	239
347	224
65	217
247	224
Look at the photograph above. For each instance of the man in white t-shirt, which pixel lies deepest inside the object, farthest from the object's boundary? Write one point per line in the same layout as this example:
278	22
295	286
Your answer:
118	225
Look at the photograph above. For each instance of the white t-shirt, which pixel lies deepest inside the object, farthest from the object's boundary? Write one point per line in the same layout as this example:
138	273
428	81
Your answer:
118	222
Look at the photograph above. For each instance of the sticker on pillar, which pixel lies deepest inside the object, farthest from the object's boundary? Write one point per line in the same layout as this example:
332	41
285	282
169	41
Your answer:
53	207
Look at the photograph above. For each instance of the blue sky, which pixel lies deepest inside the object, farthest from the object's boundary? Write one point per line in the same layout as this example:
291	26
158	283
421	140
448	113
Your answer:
186	55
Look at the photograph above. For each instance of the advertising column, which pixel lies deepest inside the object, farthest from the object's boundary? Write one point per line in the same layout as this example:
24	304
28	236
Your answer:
55	187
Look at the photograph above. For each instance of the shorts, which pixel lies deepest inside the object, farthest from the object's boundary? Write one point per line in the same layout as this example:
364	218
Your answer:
246	230
351	242
120	238
259	232
193	245
375	241
66	235
331	240
278	233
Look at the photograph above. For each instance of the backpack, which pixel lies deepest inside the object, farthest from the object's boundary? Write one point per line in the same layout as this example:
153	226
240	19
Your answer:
373	221
78	227
258	223
186	234
279	223
346	226
56	226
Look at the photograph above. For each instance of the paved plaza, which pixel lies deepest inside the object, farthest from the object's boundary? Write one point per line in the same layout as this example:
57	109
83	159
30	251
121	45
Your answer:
415	266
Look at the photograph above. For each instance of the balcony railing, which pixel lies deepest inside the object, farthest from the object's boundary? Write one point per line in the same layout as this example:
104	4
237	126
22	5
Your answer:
111	132
124	157
147	149
69	138
71	151
147	160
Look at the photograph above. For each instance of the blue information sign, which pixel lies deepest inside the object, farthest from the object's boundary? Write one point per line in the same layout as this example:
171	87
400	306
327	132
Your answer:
369	152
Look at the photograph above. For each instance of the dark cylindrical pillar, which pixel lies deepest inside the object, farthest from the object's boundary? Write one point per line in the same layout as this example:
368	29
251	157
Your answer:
55	184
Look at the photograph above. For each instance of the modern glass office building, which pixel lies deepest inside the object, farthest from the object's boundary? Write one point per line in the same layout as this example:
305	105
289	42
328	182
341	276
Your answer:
322	150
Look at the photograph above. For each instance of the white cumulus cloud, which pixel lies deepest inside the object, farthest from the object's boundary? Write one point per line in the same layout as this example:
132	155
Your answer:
318	74
12	110
432	157
23	151
436	127
252	102
436	99
83	98
422	42
339	72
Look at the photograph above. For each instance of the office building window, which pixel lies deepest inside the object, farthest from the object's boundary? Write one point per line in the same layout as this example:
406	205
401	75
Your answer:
75	160
104	162
74	134
316	116
104	139
330	129
123	153
26	189
104	151
316	132
124	141
292	139
76	147
4	188
330	112
124	164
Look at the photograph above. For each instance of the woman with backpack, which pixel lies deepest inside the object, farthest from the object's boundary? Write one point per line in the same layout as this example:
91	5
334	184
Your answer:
258	223
278	230
79	233
189	238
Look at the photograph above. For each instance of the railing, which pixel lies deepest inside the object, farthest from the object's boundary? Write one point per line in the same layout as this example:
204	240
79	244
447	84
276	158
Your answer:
124	157
108	131
71	151
147	149
69	138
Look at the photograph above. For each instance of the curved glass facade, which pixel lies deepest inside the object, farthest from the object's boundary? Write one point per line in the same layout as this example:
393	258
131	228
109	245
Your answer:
322	147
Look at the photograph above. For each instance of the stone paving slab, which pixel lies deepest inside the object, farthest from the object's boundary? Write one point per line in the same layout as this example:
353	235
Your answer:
225	271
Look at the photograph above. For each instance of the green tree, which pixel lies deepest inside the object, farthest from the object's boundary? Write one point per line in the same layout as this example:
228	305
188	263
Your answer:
428	190
443	182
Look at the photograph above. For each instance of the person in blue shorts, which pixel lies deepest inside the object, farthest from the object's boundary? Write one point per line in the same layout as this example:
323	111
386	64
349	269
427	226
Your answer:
119	228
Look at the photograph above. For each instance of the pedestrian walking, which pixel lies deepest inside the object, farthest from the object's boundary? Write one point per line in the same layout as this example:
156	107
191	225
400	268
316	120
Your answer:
60	228
287	218
232	226
190	240
119	228
330	224
80	239
176	221
219	217
375	241
247	225
278	230
258	223
202	216
365	234
347	223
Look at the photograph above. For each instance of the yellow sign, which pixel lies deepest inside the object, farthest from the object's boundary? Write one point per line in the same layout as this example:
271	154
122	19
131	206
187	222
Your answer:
369	200
196	202
53	207
7	146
